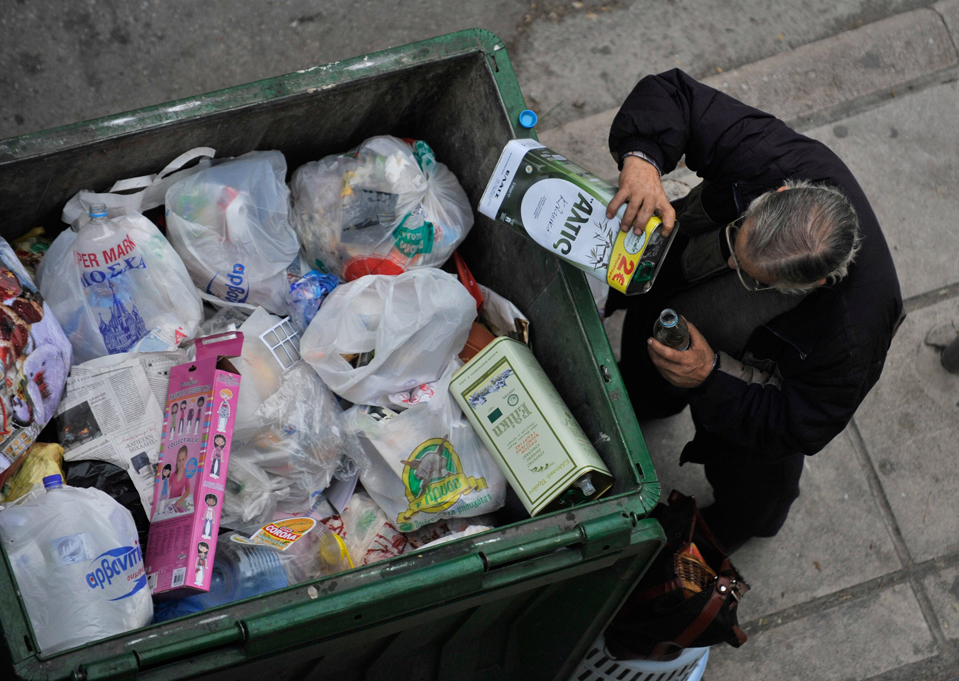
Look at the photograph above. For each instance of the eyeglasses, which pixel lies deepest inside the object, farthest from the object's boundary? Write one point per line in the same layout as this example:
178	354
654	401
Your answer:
732	231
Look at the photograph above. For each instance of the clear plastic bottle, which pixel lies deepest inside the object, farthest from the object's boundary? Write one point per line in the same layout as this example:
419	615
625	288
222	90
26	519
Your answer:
78	565
671	330
238	572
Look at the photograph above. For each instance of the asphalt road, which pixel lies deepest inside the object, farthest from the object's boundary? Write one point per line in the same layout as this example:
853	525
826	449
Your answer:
63	61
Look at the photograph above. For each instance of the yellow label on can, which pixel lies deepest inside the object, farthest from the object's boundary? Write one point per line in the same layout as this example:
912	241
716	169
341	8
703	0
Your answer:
627	253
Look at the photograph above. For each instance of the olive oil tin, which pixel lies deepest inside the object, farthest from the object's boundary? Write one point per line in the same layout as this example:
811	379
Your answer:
528	429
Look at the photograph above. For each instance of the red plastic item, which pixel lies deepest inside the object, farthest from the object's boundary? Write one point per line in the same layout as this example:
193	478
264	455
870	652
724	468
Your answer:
466	278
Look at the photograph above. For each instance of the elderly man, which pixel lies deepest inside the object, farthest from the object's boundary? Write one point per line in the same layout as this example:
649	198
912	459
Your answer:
784	277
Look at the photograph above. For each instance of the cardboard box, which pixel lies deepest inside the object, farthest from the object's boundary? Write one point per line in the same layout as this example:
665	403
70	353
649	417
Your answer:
191	471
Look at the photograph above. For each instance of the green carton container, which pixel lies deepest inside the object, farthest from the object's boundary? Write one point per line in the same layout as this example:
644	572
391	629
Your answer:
521	602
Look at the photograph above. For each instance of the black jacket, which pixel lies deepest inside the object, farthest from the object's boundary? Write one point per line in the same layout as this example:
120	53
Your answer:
801	376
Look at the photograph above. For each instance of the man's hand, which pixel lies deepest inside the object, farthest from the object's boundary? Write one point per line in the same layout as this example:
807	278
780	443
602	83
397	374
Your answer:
683	368
640	186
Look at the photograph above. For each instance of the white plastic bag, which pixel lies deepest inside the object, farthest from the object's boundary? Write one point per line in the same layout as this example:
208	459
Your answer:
383	208
426	463
230	224
414	322
137	194
116	282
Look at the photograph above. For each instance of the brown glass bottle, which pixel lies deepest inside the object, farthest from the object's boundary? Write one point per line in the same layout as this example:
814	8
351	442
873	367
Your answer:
671	330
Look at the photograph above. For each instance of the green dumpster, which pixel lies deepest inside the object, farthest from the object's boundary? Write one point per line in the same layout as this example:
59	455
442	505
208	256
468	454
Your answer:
521	602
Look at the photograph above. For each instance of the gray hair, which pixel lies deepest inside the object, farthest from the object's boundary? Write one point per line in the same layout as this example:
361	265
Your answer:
802	235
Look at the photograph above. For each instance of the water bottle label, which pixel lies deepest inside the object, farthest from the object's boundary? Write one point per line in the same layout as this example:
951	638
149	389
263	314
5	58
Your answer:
117	573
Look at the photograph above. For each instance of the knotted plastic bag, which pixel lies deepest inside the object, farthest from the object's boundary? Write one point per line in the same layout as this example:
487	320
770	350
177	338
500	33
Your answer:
116	281
384	207
230	224
412	323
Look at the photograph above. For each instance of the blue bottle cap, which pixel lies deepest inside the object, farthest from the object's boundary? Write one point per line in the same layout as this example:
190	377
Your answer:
98	210
52	481
528	118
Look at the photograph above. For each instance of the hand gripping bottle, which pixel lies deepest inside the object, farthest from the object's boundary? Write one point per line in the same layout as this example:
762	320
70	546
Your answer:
78	563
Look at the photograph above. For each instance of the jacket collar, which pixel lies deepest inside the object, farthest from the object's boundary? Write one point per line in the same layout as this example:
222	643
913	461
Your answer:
802	326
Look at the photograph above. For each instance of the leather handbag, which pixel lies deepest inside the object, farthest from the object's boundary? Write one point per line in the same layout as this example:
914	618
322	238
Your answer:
687	599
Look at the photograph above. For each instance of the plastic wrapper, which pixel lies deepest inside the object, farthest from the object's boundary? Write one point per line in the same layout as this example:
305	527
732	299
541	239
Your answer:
306	295
368	534
248	497
426	463
78	565
448	530
31	247
412	324
41	460
35	358
116	282
230	224
385	207
225	319
299	442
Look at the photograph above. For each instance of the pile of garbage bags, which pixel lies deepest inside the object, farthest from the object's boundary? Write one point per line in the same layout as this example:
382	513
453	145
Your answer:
346	443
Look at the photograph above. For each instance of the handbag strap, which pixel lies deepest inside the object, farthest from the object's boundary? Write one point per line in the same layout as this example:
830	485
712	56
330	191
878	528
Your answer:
706	616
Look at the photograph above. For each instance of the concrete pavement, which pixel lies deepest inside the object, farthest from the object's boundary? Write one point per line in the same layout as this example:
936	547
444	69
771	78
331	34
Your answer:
863	581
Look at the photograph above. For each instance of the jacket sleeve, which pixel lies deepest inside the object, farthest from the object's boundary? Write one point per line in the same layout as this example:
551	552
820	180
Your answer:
672	114
778	417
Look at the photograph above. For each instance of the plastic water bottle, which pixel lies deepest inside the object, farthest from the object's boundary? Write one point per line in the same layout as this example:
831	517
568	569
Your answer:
238	572
78	564
671	330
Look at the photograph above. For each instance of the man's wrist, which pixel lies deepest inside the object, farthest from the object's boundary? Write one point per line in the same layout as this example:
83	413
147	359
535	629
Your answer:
645	157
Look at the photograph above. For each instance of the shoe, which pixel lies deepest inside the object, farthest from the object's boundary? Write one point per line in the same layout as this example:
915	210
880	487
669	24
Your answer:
730	540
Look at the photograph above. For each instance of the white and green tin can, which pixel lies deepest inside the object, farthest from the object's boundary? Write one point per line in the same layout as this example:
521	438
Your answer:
525	424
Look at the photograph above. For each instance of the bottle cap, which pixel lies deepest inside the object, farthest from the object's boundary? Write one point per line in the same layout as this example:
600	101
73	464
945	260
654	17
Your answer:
527	118
98	210
52	481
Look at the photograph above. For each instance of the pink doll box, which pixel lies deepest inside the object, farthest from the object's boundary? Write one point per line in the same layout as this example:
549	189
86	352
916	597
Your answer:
191	472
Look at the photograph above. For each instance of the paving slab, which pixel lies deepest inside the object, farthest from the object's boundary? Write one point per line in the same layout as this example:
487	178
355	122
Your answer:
864	64
943	589
904	155
910	427
856	640
834	538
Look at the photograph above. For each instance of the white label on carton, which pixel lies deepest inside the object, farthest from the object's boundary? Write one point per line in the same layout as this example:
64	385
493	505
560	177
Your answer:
503	176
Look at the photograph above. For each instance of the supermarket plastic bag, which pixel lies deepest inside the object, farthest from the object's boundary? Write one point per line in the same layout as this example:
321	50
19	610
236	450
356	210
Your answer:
412	323
34	360
426	463
137	194
116	282
385	207
230	224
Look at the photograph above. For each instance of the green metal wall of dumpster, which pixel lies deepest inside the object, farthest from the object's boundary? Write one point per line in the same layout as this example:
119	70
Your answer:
521	602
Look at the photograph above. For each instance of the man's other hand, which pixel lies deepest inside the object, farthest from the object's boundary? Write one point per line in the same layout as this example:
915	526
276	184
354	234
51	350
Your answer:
683	368
642	190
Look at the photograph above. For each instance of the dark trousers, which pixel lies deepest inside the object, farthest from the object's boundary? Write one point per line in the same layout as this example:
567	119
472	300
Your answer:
752	494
